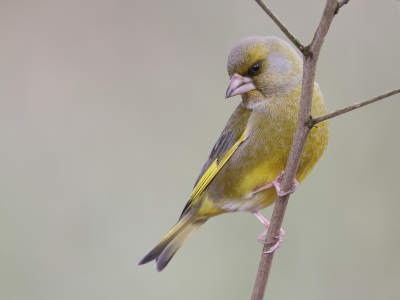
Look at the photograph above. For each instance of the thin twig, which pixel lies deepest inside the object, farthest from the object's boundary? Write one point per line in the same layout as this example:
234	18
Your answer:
286	31
311	122
309	67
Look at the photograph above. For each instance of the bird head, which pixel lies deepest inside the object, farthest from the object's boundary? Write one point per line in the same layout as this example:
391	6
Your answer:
262	67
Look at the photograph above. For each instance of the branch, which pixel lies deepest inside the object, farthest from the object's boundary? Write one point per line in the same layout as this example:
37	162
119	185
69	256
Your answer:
309	67
286	31
311	122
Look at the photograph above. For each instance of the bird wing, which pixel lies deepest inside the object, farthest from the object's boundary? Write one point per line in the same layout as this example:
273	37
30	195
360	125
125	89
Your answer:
233	135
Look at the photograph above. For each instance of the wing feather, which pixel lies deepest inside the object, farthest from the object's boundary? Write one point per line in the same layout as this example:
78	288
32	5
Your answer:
233	135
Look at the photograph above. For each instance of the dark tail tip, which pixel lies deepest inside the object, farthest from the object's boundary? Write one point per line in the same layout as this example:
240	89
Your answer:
152	255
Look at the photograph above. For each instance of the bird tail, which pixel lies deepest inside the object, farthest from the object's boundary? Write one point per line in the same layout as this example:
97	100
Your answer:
174	239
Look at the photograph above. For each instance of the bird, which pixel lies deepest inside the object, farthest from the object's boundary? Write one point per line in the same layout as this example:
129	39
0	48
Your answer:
245	167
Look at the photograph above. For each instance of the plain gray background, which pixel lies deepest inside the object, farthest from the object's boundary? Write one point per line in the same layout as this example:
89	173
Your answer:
109	110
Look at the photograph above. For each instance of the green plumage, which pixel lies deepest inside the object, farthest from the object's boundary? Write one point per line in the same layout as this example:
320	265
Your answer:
254	146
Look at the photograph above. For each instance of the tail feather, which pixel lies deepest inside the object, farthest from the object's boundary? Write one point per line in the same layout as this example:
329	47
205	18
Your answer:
170	244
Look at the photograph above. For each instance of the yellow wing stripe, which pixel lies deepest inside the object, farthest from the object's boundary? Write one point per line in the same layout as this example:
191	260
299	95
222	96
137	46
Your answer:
214	168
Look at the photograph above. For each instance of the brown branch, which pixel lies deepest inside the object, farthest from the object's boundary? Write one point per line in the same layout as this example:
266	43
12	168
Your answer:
309	67
311	122
286	31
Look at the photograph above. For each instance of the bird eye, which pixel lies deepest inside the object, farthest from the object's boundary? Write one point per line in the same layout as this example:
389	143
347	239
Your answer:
254	69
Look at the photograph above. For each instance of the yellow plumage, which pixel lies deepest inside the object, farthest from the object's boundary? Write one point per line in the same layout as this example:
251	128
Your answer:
254	146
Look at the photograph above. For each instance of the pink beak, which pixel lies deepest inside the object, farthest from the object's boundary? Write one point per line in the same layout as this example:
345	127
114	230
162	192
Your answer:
239	85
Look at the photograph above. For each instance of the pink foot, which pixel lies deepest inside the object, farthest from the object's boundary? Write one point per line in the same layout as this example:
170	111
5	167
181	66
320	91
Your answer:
277	184
261	237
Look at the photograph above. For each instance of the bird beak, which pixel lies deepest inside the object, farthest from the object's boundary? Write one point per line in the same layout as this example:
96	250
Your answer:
239	85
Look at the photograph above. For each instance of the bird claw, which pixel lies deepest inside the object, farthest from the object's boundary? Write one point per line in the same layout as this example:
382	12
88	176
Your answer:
277	185
277	244
282	193
262	236
274	247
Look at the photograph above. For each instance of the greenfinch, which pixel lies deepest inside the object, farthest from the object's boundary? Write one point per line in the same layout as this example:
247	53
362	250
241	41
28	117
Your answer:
245	167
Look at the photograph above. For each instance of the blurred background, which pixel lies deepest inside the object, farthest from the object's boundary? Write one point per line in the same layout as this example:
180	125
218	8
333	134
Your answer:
109	110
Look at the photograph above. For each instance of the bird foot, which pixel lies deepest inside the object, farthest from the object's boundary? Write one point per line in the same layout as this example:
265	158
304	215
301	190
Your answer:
277	185
262	236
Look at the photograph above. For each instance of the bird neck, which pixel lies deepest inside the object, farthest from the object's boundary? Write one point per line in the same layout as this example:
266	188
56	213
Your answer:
285	101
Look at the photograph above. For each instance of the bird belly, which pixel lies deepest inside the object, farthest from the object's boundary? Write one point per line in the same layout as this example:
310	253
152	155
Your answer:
211	207
232	189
